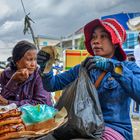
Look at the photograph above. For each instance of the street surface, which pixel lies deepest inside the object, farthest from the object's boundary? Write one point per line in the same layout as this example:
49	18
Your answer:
136	128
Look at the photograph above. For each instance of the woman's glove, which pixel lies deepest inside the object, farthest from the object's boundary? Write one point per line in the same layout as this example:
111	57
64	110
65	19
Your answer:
42	59
97	62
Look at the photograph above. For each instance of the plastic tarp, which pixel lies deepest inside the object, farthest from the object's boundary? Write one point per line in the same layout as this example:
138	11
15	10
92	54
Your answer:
123	18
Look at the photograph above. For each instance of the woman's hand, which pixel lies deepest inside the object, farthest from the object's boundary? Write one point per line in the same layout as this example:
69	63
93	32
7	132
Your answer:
42	59
3	101
97	62
21	75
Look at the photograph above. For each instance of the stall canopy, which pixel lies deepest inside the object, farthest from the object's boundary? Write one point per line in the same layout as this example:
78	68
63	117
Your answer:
123	18
131	22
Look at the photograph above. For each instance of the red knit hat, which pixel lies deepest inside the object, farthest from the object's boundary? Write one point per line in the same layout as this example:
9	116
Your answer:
116	31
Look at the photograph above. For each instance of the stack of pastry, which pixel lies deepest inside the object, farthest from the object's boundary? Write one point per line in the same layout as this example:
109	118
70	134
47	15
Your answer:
11	122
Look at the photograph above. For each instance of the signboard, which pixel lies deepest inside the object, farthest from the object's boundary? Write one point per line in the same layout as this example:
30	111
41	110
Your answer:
123	18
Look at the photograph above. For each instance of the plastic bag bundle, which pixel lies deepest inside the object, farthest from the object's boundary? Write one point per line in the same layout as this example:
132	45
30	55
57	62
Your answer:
85	118
33	114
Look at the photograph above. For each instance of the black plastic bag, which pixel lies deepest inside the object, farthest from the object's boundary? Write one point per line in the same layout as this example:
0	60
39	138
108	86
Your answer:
85	119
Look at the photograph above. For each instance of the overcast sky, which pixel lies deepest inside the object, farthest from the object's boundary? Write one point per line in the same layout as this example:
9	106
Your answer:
56	18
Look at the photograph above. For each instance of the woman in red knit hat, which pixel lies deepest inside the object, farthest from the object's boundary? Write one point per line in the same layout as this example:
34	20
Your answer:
103	40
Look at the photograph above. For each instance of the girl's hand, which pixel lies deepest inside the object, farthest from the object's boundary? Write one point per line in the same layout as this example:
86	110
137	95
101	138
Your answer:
21	75
3	101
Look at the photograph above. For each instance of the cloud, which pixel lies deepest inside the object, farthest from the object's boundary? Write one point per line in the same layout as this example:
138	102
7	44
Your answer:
5	50
5	9
53	17
9	27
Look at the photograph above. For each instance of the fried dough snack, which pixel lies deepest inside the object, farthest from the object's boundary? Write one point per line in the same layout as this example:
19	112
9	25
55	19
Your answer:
11	113
12	128
11	120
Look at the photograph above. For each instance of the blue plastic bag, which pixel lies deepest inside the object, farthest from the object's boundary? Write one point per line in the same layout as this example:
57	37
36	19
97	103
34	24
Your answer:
33	114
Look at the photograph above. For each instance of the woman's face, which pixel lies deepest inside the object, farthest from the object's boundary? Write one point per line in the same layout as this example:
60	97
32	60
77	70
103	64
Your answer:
29	61
101	43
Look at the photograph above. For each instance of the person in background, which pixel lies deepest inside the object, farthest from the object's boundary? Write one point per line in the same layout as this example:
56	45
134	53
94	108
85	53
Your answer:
137	51
130	57
8	61
20	82
103	40
137	60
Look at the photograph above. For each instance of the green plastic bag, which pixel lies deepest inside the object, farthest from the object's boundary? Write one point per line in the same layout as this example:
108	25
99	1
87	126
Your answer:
34	114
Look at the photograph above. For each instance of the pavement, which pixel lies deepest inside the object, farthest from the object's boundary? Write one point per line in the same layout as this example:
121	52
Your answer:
136	128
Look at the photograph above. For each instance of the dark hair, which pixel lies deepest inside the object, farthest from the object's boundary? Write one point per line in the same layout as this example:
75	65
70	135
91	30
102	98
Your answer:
138	37
131	58
18	52
117	54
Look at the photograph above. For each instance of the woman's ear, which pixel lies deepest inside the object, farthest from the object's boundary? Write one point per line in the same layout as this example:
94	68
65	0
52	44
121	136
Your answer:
18	64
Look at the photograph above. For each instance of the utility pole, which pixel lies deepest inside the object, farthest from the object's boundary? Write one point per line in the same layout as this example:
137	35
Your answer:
27	26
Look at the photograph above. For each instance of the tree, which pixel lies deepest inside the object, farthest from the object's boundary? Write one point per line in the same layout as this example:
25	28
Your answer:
81	43
28	28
